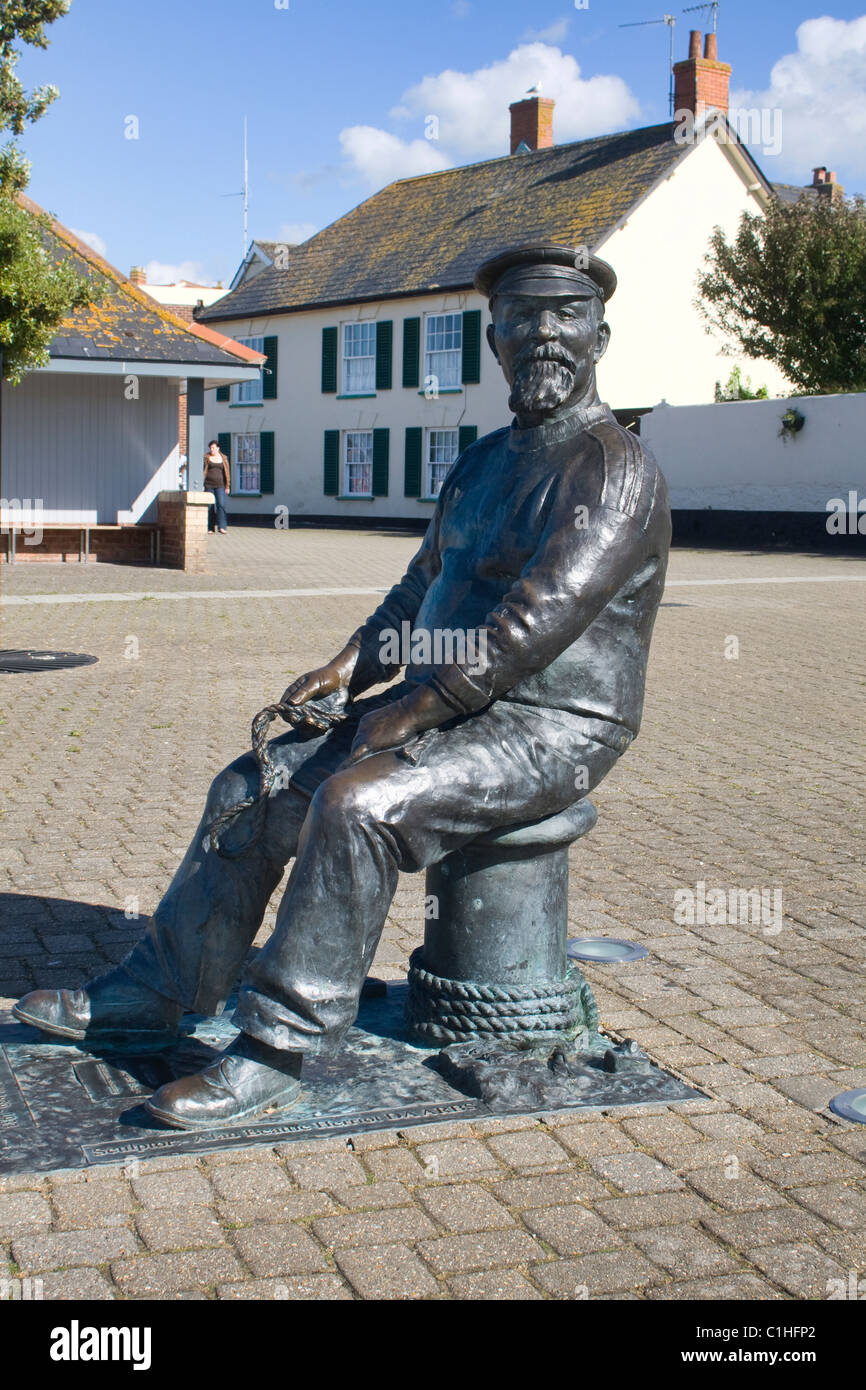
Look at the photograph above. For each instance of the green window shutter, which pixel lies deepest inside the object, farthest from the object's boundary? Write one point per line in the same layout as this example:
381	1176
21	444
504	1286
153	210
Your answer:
266	462
332	462
471	345
467	435
380	462
384	354
412	470
269	375
329	359
225	443
411	352
224	393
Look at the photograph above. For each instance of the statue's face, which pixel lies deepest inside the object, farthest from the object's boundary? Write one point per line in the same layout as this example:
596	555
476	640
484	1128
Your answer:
547	346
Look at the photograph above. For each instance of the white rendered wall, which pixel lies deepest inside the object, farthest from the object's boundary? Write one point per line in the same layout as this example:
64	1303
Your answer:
731	456
659	348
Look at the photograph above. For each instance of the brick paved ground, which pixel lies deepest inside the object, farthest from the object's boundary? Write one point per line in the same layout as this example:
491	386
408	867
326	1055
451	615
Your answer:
748	773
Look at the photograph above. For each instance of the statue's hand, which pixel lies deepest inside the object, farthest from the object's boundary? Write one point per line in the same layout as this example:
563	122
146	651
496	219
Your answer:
381	729
330	679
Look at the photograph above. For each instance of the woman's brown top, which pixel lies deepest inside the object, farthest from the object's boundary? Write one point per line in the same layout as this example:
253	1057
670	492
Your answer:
216	471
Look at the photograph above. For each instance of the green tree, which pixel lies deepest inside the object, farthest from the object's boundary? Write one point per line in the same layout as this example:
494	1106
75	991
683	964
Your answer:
37	292
739	389
791	289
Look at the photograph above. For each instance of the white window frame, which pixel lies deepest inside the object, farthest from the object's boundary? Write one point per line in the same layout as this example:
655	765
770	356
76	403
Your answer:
237	465
430	490
250	392
444	363
347	330
349	464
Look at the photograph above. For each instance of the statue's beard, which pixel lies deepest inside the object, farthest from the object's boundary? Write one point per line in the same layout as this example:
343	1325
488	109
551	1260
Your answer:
541	382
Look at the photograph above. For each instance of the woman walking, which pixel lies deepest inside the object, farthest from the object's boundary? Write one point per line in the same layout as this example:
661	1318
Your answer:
217	480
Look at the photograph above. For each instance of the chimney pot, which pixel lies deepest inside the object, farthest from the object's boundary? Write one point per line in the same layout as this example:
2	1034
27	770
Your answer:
532	123
137	275
695	43
819	175
711	48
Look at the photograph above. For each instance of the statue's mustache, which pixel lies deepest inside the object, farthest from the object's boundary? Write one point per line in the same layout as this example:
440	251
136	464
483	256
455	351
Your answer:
546	353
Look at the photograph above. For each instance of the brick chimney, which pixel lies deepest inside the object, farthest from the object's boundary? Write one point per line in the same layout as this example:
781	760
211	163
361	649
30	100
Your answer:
532	123
825	185
137	275
701	83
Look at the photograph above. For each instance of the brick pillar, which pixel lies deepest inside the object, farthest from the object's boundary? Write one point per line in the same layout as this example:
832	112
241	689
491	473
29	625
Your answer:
701	83
532	123
182	518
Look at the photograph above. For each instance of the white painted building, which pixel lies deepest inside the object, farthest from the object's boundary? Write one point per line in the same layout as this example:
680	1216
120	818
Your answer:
357	320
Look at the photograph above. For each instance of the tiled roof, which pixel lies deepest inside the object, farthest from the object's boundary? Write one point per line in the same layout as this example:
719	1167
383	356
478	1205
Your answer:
433	231
792	192
127	325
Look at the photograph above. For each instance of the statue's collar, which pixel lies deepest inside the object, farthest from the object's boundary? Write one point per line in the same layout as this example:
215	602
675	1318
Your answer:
551	432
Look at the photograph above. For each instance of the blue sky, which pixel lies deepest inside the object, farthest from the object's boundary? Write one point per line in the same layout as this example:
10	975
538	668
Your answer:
338	92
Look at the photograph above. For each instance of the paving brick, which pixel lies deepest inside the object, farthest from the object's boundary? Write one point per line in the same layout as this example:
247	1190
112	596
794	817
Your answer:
183	1188
590	1140
636	1174
250	1182
373	1195
183	1228
387	1272
548	1190
373	1227
456	1158
661	1209
77	1285
571	1230
315	1171
398	1163
70	1248
273	1250
157	1276
741	1193
614	1272
731	1288
92	1204
292	1289
23	1211
465	1207
481	1250
499	1285
797	1170
801	1269
528	1149
774	1227
842	1205
684	1251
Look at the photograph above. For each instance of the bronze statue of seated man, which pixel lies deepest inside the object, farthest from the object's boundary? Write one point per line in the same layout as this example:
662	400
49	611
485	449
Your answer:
547	552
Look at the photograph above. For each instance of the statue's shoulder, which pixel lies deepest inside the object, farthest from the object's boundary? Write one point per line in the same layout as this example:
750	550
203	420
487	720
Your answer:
631	481
473	456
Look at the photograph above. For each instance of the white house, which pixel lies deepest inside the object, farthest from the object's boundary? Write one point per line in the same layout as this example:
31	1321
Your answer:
378	372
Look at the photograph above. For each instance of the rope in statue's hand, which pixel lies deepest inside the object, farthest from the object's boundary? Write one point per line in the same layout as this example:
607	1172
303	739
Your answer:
312	714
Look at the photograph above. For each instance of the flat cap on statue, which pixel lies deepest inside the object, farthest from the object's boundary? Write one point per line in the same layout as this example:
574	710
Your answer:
545	267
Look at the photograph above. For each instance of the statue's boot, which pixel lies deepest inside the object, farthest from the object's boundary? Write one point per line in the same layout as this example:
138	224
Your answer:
112	1009
247	1079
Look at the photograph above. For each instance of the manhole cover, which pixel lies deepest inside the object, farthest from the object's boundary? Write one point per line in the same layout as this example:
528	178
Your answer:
29	660
851	1105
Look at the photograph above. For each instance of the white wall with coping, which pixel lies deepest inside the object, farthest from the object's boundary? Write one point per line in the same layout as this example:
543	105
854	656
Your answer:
731	456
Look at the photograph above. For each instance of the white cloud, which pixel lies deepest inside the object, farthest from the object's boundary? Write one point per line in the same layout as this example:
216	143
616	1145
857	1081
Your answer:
91	239
554	33
472	107
821	91
461	9
378	157
164	273
295	232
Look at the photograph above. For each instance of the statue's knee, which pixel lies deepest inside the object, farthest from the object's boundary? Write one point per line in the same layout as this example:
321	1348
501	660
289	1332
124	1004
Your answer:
235	783
341	798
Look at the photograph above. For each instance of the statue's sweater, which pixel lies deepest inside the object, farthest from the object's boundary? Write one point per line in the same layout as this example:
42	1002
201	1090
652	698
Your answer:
548	547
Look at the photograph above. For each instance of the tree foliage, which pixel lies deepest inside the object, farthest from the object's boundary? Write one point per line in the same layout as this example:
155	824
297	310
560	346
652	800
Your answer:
37	292
739	388
791	289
